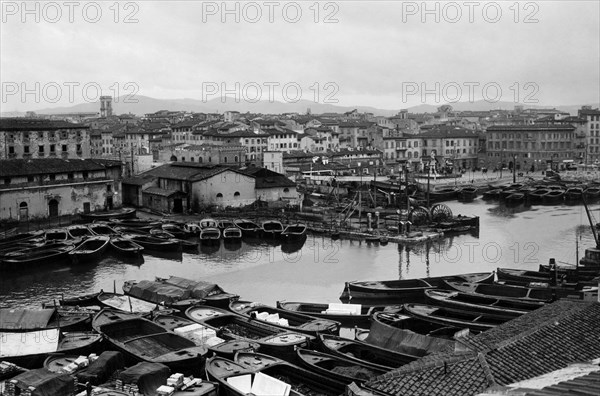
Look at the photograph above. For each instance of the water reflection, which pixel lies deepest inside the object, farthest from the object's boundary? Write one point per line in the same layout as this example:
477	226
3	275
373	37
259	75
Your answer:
316	269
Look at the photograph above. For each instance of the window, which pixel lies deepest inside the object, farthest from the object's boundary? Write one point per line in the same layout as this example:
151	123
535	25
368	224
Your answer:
11	149
52	177
225	159
52	148
26	149
286	190
236	194
219	195
79	148
7	180
85	174
30	179
70	176
64	148
41	149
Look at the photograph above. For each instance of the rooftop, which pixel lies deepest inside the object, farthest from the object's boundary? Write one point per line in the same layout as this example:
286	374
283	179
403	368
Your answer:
36	124
39	166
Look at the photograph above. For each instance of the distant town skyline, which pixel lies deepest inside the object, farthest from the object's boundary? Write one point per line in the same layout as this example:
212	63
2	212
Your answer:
380	54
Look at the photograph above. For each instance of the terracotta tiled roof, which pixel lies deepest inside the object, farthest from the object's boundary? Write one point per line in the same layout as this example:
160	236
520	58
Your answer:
36	124
534	344
42	166
530	127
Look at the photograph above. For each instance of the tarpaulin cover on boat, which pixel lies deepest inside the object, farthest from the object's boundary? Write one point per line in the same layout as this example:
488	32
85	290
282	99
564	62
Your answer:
29	342
158	292
147	376
198	289
101	369
46	383
24	319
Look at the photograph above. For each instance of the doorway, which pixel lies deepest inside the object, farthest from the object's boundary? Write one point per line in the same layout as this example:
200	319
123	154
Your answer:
53	208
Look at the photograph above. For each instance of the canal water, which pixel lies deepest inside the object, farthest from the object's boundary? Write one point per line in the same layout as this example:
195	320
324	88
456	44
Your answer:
516	237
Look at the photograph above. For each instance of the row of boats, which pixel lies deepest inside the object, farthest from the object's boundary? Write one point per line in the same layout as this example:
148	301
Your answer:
130	237
543	193
179	323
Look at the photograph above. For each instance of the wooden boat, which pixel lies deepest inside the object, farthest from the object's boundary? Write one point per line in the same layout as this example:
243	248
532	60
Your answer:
287	320
402	333
248	227
574	194
554	196
543	294
225	223
131	231
592	193
125	303
406	290
124	213
156	244
210	235
236	378
23	319
349	315
201	335
125	247
16	238
140	224
177	230
208	223
294	232
538	194
59	363
102	229
179	293
272	228
337	368
229	326
90	249
492	194
162	234
144	340
232	233
515	198
78	231
192	229
28	258
56	234
478	303
474	321
467	193
30	349
443	194
523	277
362	352
84	300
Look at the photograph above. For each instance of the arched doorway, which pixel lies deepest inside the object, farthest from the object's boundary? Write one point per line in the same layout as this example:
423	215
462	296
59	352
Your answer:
23	211
173	158
53	208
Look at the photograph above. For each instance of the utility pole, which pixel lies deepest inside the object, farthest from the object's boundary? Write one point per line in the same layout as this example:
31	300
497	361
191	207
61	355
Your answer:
514	168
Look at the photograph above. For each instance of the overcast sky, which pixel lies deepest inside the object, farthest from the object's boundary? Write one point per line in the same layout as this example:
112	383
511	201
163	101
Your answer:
377	53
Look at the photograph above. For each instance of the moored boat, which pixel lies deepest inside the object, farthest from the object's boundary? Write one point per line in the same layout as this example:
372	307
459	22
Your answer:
210	235
125	246
272	228
538	195
467	193
592	193
349	315
523	277
90	249
156	244
287	320
229	326
77	231
405	290
574	194
492	194
175	229
295	231
144	340
248	227
103	229
254	373
515	198
125	303
474	321
337	368
208	223
554	196
24	319
29	349
544	294
232	233
56	234
19	259
479	303
362	352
